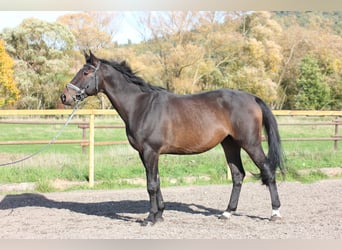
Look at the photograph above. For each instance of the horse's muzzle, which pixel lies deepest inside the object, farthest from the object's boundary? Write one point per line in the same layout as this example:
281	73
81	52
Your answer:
66	99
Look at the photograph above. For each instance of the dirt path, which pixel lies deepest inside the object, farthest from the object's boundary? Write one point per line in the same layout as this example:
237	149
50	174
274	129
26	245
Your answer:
310	211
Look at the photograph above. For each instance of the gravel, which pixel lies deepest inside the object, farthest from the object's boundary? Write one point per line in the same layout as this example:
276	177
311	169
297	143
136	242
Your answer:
310	211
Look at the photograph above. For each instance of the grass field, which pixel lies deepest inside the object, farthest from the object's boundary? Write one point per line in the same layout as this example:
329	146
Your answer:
117	165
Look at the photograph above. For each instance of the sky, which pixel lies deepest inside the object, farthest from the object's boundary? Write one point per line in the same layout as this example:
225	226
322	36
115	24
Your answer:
11	19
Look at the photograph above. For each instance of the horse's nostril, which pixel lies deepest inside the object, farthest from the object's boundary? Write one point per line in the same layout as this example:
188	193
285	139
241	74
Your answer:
63	98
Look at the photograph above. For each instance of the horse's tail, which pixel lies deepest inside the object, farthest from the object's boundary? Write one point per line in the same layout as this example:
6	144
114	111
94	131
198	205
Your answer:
275	153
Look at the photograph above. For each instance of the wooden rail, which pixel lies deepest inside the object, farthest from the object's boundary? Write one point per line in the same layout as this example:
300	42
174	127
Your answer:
37	112
306	113
336	123
86	142
91	126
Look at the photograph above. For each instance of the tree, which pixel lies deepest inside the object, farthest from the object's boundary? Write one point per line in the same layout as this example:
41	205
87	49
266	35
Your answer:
223	46
308	34
313	91
257	68
41	53
172	43
93	30
9	93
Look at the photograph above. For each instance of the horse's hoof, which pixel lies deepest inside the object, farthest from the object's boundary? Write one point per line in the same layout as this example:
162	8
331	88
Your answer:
275	215
225	216
276	218
159	219
147	223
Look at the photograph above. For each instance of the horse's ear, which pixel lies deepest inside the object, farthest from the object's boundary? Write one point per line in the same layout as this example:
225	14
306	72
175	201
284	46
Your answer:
92	59
86	56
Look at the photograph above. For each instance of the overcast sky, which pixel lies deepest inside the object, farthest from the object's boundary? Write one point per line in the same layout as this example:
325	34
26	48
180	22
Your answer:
11	19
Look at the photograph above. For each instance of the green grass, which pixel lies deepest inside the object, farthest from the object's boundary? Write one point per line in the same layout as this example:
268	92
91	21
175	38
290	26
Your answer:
114	164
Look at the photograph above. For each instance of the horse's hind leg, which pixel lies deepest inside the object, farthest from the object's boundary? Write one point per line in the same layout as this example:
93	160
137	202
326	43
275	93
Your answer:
232	151
268	176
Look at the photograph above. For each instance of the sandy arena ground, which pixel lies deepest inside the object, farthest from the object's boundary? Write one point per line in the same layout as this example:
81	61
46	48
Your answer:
310	211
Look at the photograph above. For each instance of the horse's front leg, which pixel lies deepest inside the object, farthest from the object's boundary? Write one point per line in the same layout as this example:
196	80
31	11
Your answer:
150	161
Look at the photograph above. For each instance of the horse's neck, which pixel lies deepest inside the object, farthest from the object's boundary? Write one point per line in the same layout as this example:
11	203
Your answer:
124	99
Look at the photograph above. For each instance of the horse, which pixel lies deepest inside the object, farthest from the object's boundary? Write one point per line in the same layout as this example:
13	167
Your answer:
161	122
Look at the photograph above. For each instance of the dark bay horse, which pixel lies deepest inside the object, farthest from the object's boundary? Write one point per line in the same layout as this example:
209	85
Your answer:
159	122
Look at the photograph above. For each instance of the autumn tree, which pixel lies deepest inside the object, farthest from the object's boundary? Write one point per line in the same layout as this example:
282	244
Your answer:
258	52
262	56
223	49
269	54
309	38
9	93
41	53
188	52
171	43
92	30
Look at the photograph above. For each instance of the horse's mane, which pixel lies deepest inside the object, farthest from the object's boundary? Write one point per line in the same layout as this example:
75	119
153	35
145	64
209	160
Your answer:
132	76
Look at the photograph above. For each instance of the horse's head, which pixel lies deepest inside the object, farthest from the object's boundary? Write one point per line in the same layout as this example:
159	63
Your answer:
85	83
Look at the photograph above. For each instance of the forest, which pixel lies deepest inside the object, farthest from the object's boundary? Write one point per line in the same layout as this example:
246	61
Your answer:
292	60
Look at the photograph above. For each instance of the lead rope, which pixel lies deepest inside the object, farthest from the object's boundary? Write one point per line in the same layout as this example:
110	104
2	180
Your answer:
43	148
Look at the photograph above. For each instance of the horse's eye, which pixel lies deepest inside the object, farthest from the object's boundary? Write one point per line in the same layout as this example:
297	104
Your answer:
85	73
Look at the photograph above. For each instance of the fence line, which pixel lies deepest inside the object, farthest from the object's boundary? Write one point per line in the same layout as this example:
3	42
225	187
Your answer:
91	126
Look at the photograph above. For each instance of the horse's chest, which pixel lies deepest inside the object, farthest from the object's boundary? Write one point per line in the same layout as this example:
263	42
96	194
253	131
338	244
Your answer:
132	138
133	142
138	137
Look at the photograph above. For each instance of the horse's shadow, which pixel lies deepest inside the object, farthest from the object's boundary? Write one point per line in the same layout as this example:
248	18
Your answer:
109	209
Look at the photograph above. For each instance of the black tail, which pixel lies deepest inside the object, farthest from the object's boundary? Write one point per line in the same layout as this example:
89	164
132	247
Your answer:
275	152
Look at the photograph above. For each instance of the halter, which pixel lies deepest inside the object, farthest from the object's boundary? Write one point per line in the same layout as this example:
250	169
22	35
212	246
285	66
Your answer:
80	95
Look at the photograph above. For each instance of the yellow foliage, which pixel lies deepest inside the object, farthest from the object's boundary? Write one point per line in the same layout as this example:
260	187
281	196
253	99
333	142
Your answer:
256	49
273	57
337	65
9	93
185	86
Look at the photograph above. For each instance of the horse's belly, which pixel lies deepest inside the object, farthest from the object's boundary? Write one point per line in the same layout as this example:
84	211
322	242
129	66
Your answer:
193	141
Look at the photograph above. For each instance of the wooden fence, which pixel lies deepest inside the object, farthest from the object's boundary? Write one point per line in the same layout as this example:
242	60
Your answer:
90	125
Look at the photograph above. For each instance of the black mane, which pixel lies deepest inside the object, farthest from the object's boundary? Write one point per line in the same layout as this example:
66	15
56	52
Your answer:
131	76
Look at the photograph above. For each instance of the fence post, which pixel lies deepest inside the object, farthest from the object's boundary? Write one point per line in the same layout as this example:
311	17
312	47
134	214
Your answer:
91	149
84	137
336	134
